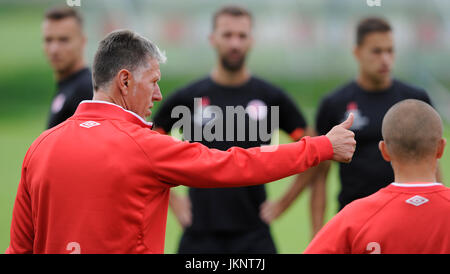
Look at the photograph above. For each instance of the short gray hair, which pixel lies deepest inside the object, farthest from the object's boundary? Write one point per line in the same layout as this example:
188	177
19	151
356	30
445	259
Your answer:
122	49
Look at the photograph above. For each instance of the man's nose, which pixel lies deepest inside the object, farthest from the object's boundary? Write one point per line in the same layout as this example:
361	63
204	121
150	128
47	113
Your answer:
235	42
157	96
53	47
386	57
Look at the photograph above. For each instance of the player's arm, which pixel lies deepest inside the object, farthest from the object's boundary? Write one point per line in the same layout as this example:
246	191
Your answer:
181	207
271	210
325	119
163	122
22	230
315	178
292	122
318	199
180	204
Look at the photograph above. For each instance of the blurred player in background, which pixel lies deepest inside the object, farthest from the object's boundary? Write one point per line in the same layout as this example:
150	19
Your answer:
368	97
231	220
411	214
64	43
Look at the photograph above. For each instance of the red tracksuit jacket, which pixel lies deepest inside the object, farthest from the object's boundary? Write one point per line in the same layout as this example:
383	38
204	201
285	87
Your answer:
99	182
400	218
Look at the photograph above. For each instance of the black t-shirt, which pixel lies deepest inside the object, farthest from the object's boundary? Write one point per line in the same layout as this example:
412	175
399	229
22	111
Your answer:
227	209
368	171
71	91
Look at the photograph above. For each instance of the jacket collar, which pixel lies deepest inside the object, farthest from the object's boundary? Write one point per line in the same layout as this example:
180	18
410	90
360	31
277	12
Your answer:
417	184
107	110
415	187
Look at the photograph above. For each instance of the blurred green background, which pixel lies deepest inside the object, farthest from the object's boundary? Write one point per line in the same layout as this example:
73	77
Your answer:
27	86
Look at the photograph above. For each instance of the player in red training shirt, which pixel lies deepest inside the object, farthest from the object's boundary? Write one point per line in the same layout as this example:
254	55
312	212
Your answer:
410	215
100	181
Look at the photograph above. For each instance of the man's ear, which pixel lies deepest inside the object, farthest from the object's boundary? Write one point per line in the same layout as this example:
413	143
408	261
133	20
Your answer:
252	39
122	80
356	52
384	151
83	40
441	146
211	39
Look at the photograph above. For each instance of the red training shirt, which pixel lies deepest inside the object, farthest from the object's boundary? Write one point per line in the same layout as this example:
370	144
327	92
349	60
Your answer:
400	218
100	181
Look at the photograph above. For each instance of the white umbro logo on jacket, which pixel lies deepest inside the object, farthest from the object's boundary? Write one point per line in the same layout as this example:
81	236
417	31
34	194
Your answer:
89	124
417	200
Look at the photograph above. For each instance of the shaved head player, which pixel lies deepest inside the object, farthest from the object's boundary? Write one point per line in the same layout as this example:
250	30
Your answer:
411	214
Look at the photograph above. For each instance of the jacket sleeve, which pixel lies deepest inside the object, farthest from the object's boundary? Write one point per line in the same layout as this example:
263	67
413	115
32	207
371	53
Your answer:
195	165
22	231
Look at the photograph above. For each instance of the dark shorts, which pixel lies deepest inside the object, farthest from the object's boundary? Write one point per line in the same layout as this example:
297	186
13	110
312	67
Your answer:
248	242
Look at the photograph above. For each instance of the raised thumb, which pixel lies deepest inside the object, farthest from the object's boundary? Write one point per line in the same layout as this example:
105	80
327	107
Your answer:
347	124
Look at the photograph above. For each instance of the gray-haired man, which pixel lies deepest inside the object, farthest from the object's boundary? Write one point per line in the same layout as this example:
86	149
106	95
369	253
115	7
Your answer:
100	181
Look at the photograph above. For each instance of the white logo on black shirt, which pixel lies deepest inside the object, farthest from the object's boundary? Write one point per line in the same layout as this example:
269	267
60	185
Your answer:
360	121
58	103
256	109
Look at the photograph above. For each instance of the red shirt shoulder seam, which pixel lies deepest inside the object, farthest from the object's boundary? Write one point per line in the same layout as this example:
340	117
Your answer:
140	147
447	198
365	223
35	146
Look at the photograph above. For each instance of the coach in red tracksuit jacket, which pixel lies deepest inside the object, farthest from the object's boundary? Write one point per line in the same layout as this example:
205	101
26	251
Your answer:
411	215
99	182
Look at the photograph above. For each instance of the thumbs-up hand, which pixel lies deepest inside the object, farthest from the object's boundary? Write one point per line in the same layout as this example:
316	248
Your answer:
343	140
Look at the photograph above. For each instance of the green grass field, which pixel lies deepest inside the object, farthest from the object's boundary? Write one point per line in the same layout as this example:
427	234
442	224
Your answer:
26	87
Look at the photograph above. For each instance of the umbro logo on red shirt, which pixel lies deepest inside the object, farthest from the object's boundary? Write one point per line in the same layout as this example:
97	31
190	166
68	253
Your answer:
89	124
417	200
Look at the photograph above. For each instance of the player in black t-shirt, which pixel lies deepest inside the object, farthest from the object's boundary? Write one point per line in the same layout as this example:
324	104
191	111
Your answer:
231	220
64	44
368	97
